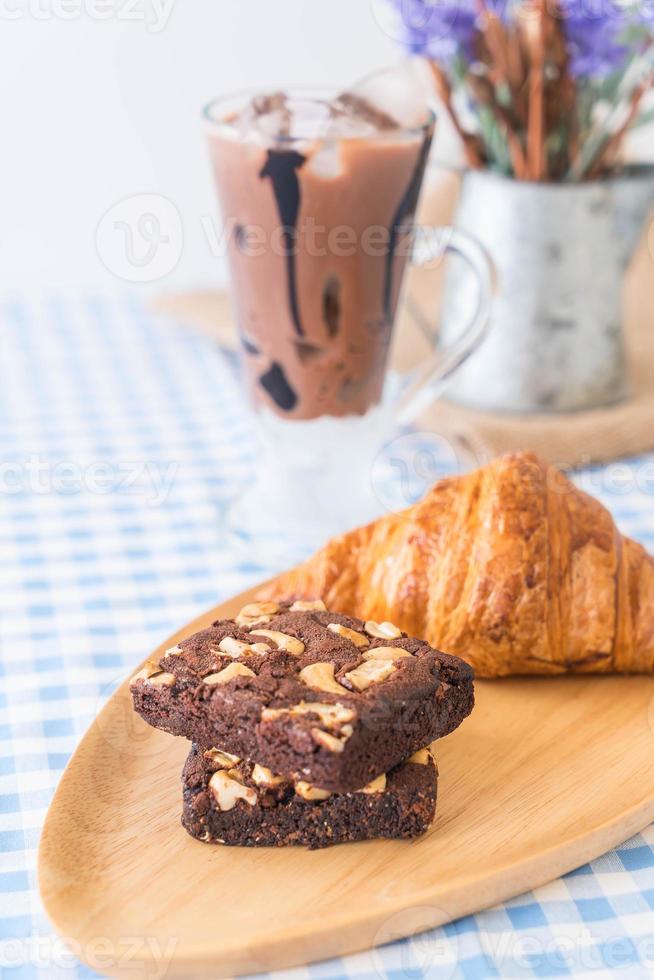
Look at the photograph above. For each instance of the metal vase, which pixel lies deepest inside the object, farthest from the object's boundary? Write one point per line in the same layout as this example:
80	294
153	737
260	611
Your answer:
556	341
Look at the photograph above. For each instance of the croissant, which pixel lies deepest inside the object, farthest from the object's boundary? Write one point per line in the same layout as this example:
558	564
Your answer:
510	567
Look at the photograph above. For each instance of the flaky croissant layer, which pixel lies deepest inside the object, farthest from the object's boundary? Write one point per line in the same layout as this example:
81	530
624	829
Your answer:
510	567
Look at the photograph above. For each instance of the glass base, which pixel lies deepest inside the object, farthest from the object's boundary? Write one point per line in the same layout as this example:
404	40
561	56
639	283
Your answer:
314	480
283	529
322	477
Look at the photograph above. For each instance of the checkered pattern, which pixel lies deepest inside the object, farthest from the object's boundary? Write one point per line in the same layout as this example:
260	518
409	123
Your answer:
122	439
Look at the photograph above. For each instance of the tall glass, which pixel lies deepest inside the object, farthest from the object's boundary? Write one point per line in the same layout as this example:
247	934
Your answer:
318	207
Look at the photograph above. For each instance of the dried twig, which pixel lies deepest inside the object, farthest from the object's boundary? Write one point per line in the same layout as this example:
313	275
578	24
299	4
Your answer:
504	69
518	77
573	134
597	136
471	144
612	144
561	116
494	37
485	95
536	118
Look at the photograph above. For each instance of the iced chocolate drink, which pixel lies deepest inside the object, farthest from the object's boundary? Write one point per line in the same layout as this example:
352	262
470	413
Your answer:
318	199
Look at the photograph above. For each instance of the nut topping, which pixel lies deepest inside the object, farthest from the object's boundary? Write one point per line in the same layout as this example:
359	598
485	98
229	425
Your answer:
264	777
254	609
229	673
148	670
227	790
237	648
370	672
321	677
309	792
173	651
331	715
329	742
256	612
290	644
377	785
152	673
258	621
162	679
220	759
358	639
421	758
386	653
383	631
317	605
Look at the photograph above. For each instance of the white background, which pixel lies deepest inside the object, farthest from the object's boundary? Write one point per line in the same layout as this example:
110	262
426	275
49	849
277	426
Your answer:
94	111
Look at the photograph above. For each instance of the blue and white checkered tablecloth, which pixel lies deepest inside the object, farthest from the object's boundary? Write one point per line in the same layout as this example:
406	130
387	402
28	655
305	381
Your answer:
121	440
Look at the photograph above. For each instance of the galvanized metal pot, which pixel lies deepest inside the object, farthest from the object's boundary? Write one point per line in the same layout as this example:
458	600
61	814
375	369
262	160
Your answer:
561	250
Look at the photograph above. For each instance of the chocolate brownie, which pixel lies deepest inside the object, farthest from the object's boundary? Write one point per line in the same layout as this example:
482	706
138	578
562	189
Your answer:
228	801
308	693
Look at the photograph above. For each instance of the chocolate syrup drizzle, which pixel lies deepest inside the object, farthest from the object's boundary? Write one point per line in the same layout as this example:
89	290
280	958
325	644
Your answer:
275	382
248	344
402	223
282	166
331	305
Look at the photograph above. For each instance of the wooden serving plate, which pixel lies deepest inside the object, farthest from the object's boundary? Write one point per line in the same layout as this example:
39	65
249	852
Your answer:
545	774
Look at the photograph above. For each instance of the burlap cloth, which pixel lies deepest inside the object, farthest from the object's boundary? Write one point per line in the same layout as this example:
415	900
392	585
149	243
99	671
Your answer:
566	440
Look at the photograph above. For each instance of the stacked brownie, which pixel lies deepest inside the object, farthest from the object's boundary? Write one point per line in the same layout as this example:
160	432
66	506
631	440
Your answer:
308	727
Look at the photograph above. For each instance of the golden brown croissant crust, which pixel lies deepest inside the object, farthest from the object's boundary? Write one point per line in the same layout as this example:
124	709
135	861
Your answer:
510	567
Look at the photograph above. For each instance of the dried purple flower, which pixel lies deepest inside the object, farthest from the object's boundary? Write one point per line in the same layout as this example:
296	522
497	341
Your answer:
642	13
439	30
443	29
530	75
593	30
